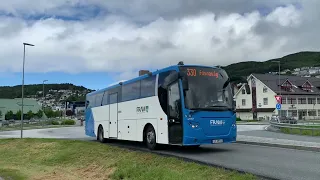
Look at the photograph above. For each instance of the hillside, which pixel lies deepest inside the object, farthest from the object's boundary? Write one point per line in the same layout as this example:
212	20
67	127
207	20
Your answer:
292	61
34	89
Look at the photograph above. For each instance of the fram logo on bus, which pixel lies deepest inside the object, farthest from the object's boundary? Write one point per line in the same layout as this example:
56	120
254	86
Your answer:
142	109
217	122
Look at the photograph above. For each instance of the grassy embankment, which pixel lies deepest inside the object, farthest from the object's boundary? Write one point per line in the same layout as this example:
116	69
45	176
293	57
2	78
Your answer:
40	125
306	132
67	160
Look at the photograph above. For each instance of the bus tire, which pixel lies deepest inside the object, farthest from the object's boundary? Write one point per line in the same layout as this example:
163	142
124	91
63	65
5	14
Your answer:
101	135
150	137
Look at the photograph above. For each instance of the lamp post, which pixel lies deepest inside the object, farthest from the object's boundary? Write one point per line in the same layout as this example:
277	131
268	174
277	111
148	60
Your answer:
279	88
43	99
22	93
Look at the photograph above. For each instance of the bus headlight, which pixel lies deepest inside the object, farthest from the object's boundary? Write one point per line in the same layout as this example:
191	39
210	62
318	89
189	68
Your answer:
194	125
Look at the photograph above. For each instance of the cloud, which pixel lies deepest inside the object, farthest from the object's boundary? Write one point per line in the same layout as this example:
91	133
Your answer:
122	38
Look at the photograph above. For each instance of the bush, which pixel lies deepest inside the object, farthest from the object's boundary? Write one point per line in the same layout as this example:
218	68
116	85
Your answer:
55	123
238	119
68	122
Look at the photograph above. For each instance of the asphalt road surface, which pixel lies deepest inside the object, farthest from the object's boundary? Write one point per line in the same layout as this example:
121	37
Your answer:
278	163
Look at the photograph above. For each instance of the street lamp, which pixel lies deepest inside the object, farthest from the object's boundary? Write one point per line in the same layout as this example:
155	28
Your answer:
279	88
22	93
43	99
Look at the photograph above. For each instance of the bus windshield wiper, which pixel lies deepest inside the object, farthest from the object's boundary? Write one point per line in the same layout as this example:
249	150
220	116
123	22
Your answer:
221	108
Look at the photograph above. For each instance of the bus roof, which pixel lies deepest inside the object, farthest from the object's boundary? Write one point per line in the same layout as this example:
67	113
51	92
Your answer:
174	67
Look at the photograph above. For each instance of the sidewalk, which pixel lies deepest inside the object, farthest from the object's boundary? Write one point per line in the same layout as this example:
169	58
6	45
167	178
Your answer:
276	142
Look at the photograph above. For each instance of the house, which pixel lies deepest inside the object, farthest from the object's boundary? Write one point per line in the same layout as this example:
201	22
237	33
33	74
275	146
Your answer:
300	97
14	105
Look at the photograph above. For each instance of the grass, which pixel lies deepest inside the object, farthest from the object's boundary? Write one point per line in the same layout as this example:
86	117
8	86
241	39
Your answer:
305	132
70	159
39	125
26	127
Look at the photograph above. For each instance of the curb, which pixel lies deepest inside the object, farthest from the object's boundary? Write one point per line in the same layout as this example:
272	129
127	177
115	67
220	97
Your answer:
306	148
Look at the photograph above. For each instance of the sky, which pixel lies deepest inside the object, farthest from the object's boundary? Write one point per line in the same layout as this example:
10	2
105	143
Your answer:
98	42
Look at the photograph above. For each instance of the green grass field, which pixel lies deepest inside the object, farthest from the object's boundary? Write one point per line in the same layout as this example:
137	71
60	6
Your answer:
306	132
73	160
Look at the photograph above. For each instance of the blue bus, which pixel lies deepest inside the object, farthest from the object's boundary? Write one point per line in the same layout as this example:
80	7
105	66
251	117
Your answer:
186	105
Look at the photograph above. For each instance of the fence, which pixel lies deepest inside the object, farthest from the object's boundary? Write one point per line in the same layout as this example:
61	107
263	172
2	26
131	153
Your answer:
309	129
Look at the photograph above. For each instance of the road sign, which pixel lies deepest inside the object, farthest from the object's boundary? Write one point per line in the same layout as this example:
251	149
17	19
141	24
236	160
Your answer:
278	106
279	99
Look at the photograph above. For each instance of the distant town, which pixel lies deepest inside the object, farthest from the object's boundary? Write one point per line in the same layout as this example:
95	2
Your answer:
302	72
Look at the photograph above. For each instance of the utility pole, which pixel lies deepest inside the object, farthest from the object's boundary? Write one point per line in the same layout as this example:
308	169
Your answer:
43	97
22	86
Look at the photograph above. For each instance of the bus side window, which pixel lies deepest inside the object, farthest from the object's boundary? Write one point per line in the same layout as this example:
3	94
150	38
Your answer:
105	98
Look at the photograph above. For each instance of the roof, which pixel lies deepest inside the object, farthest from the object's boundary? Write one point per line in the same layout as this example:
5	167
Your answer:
14	105
272	81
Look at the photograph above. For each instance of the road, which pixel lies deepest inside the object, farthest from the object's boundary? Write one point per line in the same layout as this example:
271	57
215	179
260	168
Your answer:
273	162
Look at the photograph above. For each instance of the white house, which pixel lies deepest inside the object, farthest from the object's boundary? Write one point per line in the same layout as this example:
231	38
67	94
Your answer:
300	97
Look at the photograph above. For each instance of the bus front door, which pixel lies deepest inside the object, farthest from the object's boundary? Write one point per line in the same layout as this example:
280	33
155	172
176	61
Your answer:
113	115
174	114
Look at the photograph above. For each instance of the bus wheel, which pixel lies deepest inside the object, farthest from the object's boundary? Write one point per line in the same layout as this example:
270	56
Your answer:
101	135
151	138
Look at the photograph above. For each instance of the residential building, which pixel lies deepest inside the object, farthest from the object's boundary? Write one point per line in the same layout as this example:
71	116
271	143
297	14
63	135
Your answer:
14	105
300	97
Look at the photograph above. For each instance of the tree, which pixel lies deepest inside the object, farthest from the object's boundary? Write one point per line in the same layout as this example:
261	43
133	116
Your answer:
18	115
9	115
49	113
29	115
39	114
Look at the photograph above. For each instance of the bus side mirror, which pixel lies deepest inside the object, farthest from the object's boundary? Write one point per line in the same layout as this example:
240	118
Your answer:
184	79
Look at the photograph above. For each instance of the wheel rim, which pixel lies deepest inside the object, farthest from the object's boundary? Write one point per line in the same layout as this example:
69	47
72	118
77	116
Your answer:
150	137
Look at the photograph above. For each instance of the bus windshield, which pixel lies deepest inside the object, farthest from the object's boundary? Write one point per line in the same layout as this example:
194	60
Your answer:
209	89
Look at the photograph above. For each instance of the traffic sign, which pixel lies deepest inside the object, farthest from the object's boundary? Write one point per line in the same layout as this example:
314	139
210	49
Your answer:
278	106
278	98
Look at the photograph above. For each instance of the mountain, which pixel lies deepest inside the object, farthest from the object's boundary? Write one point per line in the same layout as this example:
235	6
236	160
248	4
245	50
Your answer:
297	60
34	89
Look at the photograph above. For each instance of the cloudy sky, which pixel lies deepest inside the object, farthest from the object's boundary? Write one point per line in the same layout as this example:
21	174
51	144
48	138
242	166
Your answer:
97	42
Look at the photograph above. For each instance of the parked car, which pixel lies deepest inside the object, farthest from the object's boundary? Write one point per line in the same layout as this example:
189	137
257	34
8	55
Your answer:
283	119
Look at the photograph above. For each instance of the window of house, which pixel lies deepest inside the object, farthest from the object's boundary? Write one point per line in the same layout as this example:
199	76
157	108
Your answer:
243	102
312	112
286	86
306	86
293	113
243	91
311	100
284	100
265	101
302	100
292	100
318	99
265	89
